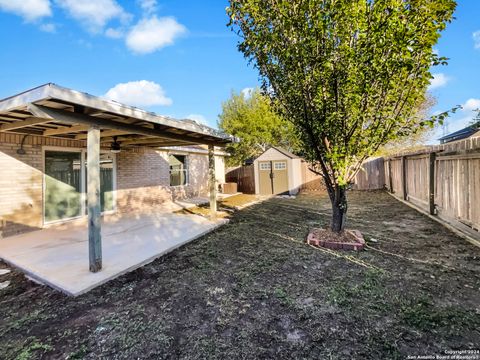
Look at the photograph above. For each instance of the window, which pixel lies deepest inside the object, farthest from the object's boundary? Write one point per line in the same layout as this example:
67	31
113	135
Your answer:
178	169
280	165
66	184
63	186
265	166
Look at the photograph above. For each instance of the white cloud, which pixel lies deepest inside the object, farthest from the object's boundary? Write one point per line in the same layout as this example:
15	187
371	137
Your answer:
114	33
148	6
151	34
85	43
94	14
50	28
476	39
139	93
30	10
459	120
439	80
198	118
458	124
247	92
471	105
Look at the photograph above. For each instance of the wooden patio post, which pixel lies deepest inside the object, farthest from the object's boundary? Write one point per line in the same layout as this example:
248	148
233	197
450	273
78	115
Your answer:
212	182
93	198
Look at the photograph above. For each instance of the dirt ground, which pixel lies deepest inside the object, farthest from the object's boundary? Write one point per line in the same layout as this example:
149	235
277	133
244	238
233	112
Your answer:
224	207
254	289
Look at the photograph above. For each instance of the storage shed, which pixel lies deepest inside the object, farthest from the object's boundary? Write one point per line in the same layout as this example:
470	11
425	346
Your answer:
277	171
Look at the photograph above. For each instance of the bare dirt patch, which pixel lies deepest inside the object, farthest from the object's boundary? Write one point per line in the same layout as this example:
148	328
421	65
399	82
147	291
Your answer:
225	207
239	201
254	289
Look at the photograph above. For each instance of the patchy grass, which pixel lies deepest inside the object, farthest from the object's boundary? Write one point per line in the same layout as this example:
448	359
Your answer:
254	289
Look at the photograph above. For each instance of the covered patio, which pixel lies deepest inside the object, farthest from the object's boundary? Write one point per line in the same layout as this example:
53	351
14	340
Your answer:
57	255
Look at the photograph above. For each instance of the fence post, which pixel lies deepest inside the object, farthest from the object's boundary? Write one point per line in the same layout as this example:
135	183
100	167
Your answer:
431	183
404	178
390	180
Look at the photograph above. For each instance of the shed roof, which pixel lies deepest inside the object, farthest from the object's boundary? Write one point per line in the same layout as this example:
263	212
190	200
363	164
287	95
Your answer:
278	150
52	110
286	152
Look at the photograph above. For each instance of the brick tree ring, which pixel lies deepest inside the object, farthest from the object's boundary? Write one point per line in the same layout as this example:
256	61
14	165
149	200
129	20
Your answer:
348	240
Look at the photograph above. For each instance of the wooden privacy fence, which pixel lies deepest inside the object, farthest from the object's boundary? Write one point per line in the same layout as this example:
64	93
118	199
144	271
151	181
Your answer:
371	176
311	181
244	176
443	180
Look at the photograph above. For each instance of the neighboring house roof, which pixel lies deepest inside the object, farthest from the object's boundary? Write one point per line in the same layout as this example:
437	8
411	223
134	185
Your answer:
460	134
52	110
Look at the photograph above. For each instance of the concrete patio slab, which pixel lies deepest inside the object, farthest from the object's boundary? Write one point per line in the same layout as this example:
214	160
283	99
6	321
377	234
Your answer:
58	256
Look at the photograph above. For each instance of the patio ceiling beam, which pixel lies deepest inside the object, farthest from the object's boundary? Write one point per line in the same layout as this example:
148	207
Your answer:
148	140
75	118
105	133
10	118
155	142
169	144
21	124
162	144
65	130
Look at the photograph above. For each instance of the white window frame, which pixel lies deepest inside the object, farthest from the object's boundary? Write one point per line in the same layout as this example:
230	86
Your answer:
283	167
265	168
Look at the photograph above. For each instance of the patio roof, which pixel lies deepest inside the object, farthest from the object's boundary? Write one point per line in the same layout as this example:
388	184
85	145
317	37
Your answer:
54	111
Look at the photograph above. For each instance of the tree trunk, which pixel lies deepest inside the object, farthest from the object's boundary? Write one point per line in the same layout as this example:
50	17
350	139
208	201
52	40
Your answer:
339	208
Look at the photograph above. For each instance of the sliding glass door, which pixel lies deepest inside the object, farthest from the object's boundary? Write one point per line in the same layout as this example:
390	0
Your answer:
66	186
63	192
107	164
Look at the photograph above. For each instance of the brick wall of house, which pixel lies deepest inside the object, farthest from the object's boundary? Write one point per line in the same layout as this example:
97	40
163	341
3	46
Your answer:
142	180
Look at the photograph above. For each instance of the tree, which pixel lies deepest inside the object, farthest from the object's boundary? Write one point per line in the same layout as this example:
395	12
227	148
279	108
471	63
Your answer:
475	123
415	141
252	119
349	74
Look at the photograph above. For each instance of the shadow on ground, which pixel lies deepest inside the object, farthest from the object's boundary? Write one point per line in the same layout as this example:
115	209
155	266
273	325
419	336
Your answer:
254	289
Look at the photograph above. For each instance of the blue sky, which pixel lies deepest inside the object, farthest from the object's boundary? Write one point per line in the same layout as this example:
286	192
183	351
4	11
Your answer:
177	58
195	60
458	82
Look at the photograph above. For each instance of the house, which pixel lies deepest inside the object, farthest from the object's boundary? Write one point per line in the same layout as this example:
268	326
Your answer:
469	131
69	155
